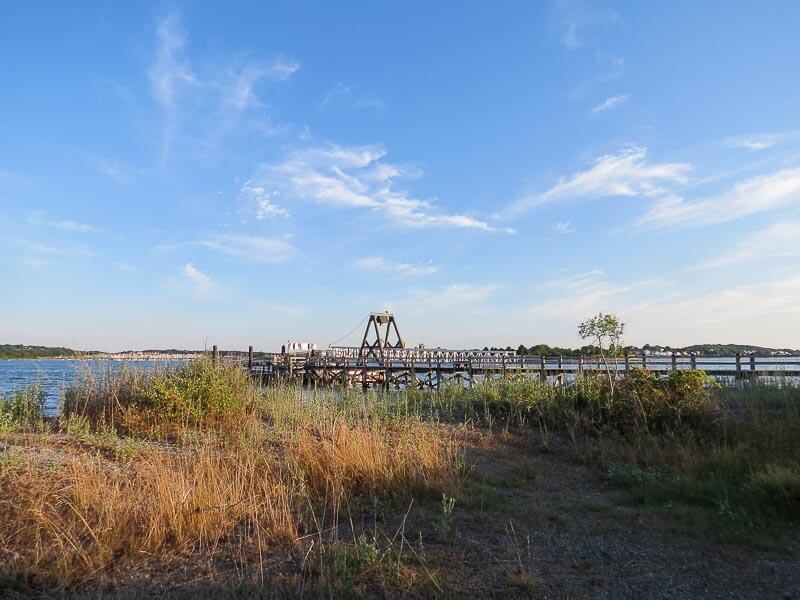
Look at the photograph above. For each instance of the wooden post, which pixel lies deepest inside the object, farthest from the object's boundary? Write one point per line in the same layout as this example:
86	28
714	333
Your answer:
738	365
753	373
627	363
543	365
438	374
214	354
249	359
364	384
674	362
694	361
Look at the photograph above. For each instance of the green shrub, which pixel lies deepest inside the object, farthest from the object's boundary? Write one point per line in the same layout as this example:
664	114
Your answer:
200	394
645	402
23	410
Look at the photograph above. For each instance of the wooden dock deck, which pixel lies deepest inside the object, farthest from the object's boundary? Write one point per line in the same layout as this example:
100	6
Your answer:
433	368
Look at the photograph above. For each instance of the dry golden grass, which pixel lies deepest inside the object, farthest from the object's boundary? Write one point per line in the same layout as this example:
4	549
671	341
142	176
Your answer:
75	518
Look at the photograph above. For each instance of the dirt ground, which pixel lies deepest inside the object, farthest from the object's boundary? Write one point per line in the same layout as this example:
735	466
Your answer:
530	524
560	522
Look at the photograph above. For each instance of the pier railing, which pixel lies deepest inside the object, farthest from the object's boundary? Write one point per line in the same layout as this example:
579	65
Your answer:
432	367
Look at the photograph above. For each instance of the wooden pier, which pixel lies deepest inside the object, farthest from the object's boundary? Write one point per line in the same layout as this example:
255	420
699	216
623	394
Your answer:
382	360
432	369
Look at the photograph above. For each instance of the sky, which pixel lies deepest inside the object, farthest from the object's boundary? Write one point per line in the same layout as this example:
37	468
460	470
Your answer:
181	175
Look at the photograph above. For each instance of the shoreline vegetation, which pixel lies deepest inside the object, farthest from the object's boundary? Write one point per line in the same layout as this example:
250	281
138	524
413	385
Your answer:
20	351
195	481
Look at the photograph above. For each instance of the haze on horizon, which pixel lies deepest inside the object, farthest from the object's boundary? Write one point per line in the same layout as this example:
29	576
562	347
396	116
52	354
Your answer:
185	176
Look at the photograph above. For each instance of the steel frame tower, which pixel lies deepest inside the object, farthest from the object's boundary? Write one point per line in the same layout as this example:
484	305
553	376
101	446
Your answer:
378	336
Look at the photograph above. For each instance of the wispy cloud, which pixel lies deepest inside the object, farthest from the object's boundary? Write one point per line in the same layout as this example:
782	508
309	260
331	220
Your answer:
283	68
169	75
36	254
201	284
246	248
563	227
39	218
626	173
781	240
459	294
357	177
171	71
612	102
576	18
342	95
611	68
251	248
210	99
379	264
586	293
755	195
761	141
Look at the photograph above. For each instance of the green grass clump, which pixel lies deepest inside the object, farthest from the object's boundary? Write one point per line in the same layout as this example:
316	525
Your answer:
22	410
200	395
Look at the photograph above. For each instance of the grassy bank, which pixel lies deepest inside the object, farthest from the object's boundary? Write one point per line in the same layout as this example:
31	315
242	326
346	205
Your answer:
157	471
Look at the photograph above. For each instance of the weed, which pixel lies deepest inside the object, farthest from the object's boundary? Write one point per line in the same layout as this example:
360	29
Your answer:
444	522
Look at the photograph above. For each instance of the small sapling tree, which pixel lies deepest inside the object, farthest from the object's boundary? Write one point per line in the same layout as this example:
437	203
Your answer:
605	330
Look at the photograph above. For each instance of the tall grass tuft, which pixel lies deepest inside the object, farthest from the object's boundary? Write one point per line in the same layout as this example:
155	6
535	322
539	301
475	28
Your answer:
202	394
22	410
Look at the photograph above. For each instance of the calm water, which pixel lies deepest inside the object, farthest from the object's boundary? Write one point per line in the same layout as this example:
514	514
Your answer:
54	376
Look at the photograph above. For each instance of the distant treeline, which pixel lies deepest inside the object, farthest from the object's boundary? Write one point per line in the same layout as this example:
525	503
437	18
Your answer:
21	351
697	349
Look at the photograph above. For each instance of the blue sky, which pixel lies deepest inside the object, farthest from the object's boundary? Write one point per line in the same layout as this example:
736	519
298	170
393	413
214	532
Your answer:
176	175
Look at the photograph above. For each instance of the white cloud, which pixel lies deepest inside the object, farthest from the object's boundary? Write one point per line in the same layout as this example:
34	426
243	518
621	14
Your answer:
203	103
761	141
626	173
449	296
36	254
343	96
251	248
563	227
576	18
283	68
381	265
612	102
247	248
583	294
781	240
39	218
171	70
613	68
754	195
201	283
258	200
238	90
357	177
